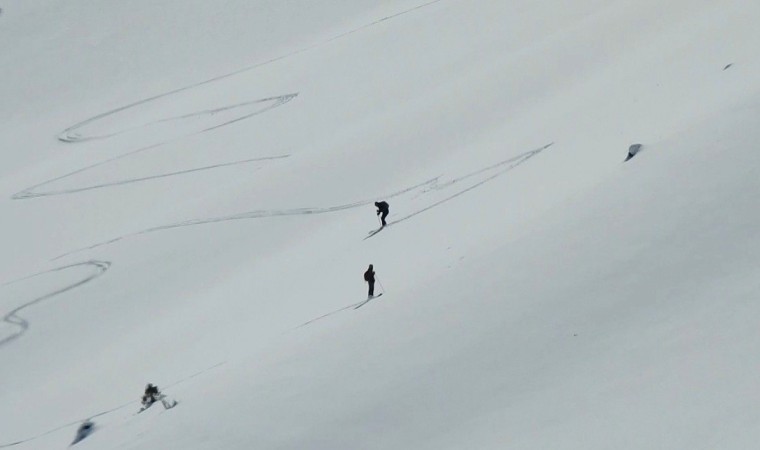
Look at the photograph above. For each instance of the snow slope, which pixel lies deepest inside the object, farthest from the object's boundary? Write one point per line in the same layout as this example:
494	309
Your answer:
188	189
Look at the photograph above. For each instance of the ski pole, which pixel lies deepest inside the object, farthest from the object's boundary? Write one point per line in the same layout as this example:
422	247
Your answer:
380	283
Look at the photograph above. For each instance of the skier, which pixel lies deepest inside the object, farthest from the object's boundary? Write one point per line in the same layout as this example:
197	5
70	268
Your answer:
382	208
632	151
369	277
84	430
151	395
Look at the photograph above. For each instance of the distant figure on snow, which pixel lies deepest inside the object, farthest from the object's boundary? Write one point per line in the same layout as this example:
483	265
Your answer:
369	277
84	430
382	208
632	151
152	394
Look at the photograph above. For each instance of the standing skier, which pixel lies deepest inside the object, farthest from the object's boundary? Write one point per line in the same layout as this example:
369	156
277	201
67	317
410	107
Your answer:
382	208
369	277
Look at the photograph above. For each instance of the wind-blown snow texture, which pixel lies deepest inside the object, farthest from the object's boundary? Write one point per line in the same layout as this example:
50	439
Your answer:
187	186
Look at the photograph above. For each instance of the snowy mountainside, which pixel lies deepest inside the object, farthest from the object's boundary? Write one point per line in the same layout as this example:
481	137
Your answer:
189	188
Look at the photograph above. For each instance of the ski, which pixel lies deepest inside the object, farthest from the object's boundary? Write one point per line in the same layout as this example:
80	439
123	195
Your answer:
374	232
165	401
368	300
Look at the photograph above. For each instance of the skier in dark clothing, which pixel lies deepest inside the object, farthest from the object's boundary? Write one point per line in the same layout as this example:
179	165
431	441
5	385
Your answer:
84	430
382	208
369	277
151	395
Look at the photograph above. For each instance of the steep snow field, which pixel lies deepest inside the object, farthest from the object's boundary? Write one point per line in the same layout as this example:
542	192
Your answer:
188	189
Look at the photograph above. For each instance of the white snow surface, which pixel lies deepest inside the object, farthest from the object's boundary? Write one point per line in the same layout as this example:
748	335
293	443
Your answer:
187	188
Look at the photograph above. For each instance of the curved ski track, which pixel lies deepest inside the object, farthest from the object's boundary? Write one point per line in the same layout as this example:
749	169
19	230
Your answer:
70	134
271	103
14	319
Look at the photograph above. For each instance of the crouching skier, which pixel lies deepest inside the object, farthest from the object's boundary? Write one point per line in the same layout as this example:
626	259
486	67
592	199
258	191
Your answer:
152	394
382	210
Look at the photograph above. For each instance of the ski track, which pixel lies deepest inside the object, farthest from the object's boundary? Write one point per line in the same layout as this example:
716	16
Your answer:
273	102
14	319
108	411
426	187
70	134
30	192
510	164
351	306
379	21
256	214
